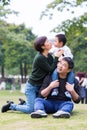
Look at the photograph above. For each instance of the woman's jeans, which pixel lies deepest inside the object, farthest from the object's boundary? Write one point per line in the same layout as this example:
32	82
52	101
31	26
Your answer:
31	93
52	106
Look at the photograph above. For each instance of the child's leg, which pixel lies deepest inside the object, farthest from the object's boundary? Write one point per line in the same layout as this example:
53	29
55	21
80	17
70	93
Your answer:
55	77
71	77
70	80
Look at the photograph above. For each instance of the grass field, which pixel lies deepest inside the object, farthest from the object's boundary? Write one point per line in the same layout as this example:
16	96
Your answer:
20	121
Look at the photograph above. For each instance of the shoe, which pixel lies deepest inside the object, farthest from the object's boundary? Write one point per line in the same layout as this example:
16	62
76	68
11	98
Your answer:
10	102
61	114
21	101
54	92
38	114
6	107
68	94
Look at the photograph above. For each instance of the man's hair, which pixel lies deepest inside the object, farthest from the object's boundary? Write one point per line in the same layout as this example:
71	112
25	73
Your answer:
39	42
61	38
69	61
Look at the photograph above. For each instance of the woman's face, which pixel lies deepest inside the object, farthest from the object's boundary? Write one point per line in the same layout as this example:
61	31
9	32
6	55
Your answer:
47	45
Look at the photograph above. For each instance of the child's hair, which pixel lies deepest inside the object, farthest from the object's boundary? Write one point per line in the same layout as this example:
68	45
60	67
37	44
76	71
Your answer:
39	42
69	61
61	38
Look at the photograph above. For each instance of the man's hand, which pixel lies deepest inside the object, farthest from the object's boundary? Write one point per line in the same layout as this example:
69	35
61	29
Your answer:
54	84
69	87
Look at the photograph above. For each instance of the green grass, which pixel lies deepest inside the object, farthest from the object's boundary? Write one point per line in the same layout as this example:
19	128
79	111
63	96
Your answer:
13	120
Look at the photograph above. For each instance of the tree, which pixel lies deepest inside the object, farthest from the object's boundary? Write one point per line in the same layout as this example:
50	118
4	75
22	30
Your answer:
75	29
3	14
5	2
16	46
18	49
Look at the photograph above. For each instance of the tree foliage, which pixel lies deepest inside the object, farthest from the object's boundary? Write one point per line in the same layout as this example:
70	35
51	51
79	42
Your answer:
16	47
75	29
62	6
5	2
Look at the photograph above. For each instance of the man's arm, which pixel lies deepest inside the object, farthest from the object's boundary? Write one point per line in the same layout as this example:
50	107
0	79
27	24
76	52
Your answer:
47	86
45	92
74	90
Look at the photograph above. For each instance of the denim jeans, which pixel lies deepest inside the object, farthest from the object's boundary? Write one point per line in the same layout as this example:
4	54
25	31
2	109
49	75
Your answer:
70	78
52	106
31	93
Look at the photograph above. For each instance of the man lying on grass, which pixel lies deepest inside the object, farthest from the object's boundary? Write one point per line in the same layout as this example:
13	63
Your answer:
60	105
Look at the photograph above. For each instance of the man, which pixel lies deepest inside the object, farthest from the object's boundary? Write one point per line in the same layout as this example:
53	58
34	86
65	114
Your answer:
61	105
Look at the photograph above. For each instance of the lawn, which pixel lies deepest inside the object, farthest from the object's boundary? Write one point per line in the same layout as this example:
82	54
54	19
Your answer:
20	121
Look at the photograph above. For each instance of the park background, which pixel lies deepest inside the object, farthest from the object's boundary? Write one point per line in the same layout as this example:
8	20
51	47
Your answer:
16	40
17	53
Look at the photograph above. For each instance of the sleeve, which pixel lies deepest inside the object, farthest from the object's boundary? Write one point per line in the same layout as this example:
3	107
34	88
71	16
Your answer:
77	89
45	66
67	52
46	82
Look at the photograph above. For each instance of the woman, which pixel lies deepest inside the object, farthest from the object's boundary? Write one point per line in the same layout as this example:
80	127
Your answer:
43	64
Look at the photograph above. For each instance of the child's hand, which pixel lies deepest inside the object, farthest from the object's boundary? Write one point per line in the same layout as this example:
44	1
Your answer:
59	53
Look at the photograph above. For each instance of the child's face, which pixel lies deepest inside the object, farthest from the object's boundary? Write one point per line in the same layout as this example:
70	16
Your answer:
57	43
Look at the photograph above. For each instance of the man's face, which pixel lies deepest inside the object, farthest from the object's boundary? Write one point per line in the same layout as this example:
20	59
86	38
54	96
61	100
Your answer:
63	67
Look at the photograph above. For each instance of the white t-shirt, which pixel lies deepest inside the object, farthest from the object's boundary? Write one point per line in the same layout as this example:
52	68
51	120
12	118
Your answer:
67	51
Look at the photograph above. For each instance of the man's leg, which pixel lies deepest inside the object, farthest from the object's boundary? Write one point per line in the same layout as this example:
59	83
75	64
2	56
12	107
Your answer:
63	108
41	107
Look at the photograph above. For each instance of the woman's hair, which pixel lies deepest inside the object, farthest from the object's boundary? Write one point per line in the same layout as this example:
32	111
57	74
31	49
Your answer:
69	61
39	42
61	38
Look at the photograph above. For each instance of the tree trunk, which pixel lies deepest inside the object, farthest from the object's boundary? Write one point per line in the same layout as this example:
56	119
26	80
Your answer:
2	73
21	72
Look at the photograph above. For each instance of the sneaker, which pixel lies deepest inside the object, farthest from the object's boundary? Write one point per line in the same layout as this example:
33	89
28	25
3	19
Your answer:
61	114
68	94
6	107
54	92
38	114
10	102
21	101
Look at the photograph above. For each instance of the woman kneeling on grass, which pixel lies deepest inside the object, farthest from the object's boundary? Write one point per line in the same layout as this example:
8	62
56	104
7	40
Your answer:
43	64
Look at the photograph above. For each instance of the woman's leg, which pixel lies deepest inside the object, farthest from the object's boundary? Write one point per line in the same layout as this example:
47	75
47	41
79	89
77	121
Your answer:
28	107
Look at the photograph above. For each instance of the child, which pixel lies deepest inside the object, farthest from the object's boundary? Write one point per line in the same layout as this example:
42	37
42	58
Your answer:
60	45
